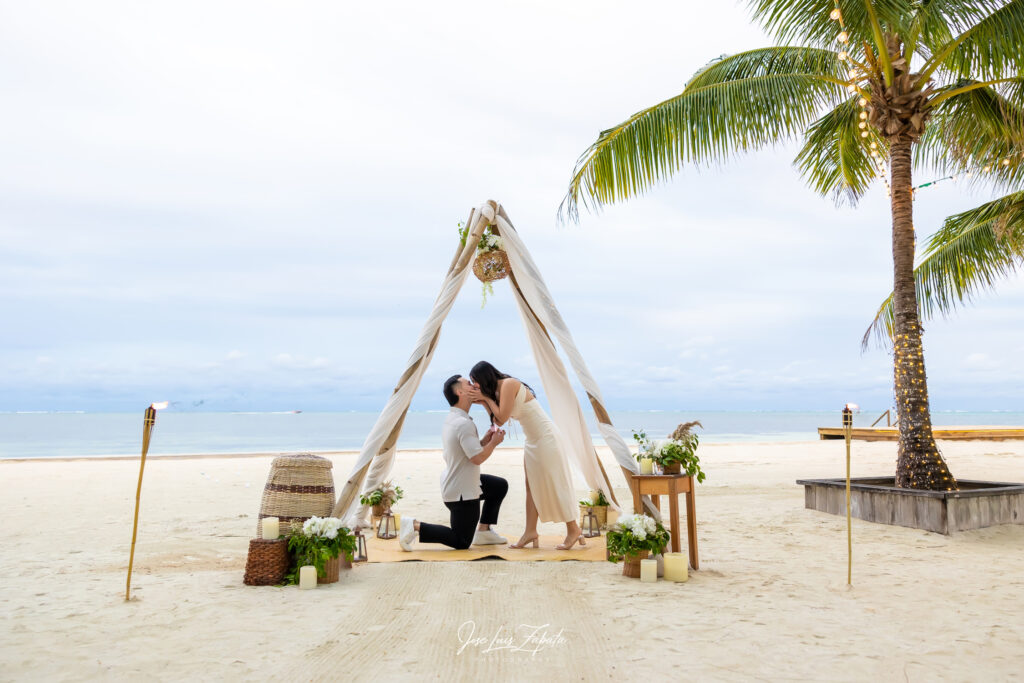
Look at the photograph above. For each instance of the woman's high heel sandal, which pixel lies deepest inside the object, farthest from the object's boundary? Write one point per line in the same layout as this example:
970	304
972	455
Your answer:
522	544
566	546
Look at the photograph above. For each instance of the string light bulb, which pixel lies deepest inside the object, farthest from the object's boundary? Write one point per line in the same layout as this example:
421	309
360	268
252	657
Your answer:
863	115
862	102
835	15
843	56
843	37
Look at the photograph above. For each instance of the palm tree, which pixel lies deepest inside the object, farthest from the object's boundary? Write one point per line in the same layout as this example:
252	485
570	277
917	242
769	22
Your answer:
863	83
971	252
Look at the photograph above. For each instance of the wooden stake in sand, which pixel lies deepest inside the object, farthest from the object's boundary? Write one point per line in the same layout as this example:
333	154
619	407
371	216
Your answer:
148	421
848	433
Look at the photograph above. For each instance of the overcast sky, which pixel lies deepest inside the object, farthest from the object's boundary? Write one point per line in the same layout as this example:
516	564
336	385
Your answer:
251	205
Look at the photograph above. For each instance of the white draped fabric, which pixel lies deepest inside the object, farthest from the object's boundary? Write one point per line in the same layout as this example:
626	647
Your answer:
543	325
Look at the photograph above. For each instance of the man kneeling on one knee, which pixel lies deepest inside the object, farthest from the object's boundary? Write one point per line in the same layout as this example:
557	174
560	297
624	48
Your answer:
473	499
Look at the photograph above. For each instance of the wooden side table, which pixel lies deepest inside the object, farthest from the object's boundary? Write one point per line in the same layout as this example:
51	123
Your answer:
671	485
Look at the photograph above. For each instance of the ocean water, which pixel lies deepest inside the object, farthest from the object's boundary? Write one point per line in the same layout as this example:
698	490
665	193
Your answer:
44	435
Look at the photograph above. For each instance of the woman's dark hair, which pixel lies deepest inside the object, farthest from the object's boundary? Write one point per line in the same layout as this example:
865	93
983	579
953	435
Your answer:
486	377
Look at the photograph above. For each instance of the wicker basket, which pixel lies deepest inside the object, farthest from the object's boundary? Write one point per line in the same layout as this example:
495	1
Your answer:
674	468
267	563
631	565
298	487
491	265
332	571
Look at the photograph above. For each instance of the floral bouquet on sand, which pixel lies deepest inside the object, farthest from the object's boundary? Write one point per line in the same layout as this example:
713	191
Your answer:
320	540
635	536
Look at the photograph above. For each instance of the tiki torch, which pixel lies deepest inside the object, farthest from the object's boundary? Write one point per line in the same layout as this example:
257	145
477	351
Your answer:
848	434
148	421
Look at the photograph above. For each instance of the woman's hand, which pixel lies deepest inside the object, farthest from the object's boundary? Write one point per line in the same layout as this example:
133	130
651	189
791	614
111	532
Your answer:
474	394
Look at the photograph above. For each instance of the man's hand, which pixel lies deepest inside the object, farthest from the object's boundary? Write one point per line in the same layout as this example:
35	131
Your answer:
498	435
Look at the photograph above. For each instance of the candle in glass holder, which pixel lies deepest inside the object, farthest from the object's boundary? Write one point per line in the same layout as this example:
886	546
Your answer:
307	577
648	571
646	466
677	567
271	528
398	522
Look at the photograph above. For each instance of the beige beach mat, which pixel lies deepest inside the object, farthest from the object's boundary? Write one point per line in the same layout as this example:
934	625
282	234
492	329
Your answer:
380	550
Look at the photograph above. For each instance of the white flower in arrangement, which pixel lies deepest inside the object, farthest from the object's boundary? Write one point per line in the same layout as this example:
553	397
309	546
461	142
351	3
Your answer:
490	242
327	527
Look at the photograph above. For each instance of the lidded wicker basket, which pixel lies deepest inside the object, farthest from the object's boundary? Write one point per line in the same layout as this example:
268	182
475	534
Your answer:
298	487
491	265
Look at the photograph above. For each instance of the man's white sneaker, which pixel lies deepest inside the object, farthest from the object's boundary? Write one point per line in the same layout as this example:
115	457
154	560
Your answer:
407	534
488	537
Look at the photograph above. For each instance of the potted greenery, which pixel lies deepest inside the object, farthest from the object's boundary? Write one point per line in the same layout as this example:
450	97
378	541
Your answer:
632	539
321	543
596	503
382	498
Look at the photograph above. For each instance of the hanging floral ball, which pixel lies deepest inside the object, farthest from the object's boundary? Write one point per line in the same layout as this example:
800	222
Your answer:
491	265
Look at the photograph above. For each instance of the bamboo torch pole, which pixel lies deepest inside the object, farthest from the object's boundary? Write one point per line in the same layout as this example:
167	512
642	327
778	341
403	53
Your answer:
148	421
848	434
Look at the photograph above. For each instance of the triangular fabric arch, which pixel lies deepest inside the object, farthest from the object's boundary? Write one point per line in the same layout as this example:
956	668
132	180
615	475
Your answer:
542	322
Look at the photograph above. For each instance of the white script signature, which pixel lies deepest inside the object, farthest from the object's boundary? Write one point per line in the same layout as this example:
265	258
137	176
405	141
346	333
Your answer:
524	638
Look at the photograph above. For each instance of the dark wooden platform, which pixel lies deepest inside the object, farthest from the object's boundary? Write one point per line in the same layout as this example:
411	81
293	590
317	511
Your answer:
978	504
959	433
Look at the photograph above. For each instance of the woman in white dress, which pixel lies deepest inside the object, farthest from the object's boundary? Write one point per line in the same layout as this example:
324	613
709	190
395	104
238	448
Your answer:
550	496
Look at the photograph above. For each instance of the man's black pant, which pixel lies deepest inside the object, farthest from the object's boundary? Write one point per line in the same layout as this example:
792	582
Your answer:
466	514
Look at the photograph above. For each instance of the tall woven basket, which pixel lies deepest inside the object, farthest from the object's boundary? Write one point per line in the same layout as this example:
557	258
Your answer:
298	487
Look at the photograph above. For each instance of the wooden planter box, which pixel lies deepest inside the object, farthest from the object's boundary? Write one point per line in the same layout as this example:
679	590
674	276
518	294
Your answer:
978	504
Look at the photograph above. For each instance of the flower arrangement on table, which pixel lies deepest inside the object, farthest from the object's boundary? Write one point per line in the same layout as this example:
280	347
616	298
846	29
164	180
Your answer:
382	498
491	261
632	538
596	503
320	540
676	454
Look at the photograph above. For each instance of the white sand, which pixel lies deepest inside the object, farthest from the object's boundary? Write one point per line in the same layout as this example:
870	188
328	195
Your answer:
770	600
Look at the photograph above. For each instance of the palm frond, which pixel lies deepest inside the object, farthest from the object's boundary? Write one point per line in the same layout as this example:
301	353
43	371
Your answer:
970	253
736	104
808	22
974	129
835	159
990	48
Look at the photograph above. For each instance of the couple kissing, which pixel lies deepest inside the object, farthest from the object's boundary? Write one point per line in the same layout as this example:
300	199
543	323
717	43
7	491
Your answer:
474	499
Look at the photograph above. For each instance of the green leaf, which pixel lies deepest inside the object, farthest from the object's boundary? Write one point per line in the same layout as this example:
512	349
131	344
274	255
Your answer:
835	159
970	253
734	105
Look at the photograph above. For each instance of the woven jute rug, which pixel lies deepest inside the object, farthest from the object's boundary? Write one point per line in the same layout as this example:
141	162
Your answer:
380	550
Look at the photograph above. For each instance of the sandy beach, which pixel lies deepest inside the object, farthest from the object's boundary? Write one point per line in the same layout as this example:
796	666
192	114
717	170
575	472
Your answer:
769	602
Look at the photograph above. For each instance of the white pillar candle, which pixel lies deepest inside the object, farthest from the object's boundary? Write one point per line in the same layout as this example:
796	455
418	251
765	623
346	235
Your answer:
677	567
398	523
648	571
271	528
307	577
646	466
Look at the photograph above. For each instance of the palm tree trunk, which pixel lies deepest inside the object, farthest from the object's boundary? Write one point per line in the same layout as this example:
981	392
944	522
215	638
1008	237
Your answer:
919	464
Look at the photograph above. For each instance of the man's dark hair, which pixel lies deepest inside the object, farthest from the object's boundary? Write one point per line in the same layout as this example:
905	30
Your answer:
449	389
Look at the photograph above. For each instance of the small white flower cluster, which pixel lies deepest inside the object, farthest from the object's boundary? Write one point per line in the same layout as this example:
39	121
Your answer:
325	527
491	242
658	446
638	525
